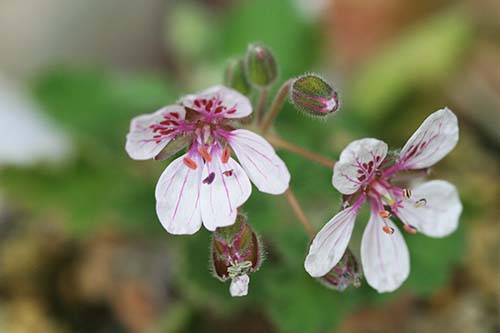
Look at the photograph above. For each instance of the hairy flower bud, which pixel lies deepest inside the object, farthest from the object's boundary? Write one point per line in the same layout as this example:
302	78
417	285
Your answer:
236	252
314	96
345	273
260	65
234	76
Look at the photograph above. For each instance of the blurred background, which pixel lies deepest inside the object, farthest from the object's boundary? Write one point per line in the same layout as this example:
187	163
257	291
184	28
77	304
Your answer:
81	249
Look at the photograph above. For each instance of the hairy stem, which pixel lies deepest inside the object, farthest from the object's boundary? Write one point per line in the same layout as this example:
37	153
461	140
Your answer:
297	210
280	143
276	105
261	106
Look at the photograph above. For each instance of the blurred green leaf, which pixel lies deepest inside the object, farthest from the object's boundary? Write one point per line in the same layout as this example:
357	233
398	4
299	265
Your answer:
422	58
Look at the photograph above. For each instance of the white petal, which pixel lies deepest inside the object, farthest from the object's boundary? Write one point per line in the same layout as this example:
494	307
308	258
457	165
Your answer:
357	164
221	198
238	105
432	141
330	243
266	169
178	197
141	144
239	286
385	258
439	216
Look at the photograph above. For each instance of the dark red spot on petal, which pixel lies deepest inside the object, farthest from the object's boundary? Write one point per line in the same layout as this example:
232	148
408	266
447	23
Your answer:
228	173
361	178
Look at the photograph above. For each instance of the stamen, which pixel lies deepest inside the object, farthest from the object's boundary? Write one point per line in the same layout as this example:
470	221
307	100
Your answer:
228	173
190	163
206	156
226	154
407	193
420	203
410	229
388	230
384	214
209	179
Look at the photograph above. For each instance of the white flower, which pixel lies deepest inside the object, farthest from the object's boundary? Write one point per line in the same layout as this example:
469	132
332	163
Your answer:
206	184
364	173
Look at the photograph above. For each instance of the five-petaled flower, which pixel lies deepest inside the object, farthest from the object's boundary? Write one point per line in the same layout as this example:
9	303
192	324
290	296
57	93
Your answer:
365	173
206	183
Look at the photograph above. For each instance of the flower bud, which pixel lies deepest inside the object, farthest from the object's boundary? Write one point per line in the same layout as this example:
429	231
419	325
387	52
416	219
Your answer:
313	95
260	66
345	273
234	76
236	252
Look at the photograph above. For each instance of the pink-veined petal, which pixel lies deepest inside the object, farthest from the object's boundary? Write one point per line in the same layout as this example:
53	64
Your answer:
438	215
264	167
384	257
224	193
143	142
329	245
432	141
237	105
357	164
178	197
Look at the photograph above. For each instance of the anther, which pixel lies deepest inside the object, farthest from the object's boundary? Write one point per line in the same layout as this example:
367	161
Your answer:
410	229
420	203
384	214
226	154
189	163
209	179
407	193
388	230
228	173
206	156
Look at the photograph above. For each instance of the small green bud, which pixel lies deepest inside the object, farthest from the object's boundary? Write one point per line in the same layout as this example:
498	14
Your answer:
345	273
314	96
234	76
260	66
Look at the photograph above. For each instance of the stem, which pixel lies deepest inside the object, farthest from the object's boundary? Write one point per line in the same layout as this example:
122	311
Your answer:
280	143
276	105
261	106
297	210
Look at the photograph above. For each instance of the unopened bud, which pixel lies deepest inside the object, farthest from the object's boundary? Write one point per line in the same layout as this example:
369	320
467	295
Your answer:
345	273
234	76
236	252
314	96
260	66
